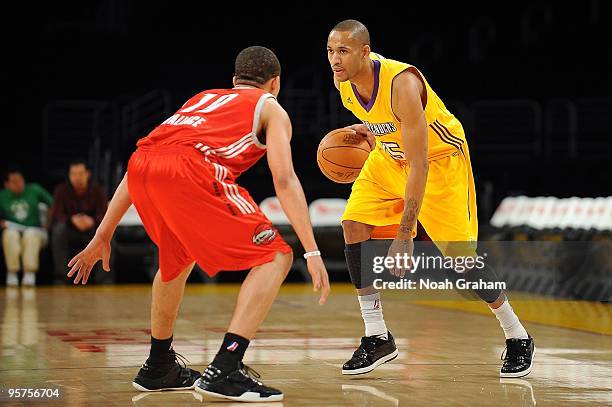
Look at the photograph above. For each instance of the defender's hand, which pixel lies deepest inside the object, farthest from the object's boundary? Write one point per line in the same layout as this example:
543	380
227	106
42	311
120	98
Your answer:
320	279
82	263
362	130
401	247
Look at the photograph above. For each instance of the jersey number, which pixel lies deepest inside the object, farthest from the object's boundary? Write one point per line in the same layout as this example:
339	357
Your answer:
393	149
212	105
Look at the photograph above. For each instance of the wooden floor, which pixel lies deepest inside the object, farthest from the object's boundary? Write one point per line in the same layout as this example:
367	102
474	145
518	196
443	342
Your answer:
90	342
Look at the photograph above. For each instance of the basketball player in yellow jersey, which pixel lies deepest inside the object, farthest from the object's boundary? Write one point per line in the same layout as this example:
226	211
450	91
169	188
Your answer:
419	170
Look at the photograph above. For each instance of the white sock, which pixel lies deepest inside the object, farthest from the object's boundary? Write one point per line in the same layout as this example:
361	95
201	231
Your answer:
509	321
371	312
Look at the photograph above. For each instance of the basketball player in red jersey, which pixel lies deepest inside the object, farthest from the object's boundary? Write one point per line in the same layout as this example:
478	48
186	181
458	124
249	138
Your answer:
182	181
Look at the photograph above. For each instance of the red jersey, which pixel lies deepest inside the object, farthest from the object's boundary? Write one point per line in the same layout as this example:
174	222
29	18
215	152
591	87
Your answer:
221	124
182	182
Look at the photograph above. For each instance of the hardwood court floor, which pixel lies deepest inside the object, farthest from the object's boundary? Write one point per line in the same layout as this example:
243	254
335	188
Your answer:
90	341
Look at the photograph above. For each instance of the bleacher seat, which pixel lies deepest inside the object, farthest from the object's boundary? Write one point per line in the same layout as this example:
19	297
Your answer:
326	218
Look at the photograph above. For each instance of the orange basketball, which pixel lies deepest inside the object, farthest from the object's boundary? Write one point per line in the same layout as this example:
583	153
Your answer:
341	155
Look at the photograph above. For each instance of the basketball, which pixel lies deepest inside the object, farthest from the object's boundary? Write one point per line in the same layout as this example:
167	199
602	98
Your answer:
341	155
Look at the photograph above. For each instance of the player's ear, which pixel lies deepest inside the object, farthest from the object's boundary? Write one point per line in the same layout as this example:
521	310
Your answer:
366	50
234	80
275	85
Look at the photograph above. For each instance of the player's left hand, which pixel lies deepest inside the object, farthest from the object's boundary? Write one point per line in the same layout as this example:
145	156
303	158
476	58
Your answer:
98	249
362	130
320	279
401	247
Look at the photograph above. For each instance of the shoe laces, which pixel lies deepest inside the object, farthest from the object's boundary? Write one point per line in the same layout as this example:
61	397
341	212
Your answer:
251	373
512	352
180	359
210	373
368	343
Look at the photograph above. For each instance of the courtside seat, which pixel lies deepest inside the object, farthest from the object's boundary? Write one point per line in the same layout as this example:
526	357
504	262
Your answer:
545	216
326	217
327	212
133	250
273	210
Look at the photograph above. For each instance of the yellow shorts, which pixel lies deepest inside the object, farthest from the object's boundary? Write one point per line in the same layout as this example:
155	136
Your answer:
448	211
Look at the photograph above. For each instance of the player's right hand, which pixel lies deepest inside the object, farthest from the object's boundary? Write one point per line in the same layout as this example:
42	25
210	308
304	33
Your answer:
320	279
362	130
98	249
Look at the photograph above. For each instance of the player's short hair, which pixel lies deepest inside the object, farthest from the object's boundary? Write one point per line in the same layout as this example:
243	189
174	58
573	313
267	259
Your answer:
256	64
356	29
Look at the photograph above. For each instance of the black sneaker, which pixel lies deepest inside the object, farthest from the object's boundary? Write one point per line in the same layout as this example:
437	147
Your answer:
372	352
174	377
518	357
241	384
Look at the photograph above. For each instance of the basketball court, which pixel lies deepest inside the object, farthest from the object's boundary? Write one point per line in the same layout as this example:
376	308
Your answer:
89	342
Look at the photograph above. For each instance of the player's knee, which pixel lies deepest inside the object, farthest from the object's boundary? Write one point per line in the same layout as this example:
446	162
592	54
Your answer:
355	232
485	274
286	261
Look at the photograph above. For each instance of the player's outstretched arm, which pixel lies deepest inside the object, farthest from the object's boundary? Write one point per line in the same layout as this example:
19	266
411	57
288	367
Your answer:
407	106
99	248
277	126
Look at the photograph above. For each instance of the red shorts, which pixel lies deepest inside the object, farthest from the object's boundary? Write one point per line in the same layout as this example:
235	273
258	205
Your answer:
191	216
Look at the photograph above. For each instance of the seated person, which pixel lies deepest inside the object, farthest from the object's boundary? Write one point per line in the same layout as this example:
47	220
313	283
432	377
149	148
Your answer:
80	205
23	235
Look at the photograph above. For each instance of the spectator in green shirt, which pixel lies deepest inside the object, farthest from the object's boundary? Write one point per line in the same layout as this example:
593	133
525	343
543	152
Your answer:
23	234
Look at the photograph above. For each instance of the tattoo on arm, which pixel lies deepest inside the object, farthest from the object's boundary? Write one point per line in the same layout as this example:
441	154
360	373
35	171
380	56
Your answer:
409	217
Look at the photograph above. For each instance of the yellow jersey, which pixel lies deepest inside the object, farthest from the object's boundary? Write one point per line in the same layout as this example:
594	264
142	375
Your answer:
445	133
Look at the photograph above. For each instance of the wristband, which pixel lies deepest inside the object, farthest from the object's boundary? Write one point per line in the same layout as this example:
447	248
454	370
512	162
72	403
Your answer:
312	254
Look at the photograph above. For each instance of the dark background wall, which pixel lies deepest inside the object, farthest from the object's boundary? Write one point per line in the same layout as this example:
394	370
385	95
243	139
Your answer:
116	51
